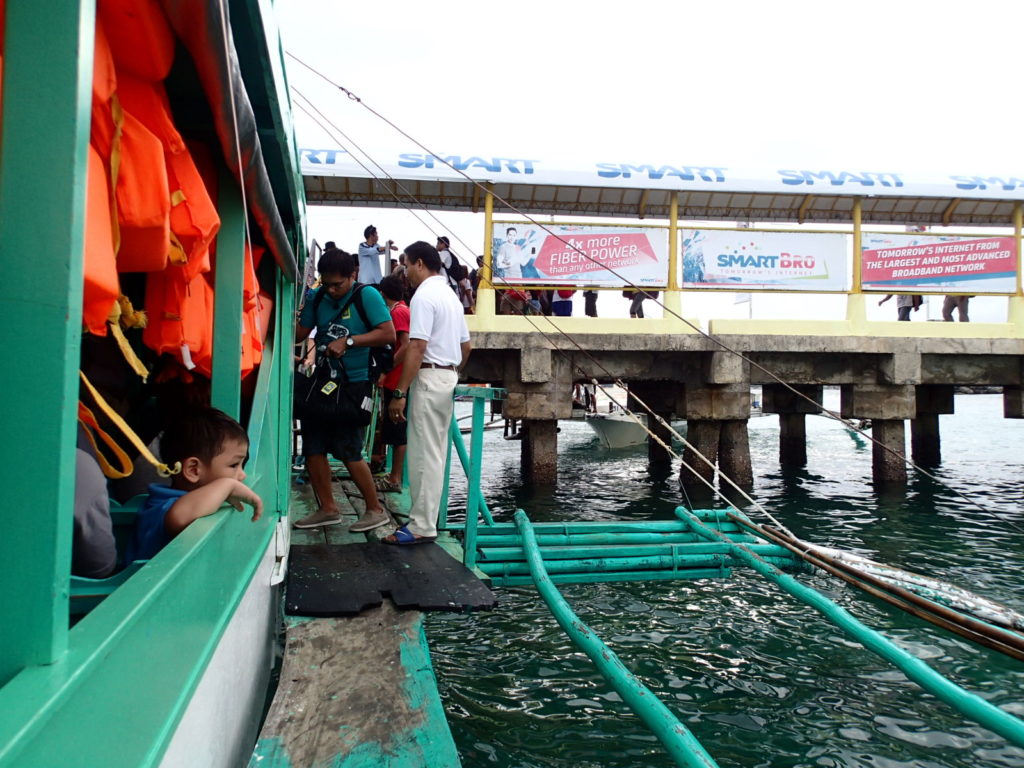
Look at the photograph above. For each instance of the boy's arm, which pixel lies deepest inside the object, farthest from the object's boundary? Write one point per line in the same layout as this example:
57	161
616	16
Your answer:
207	500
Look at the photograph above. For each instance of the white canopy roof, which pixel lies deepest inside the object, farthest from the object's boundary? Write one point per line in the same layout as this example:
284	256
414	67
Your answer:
414	178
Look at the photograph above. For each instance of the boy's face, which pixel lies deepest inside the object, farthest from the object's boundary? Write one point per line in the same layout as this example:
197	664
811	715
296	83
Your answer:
227	463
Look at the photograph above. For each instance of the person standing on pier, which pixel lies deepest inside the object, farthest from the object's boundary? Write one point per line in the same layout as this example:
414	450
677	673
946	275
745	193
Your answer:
959	303
904	303
438	347
369	256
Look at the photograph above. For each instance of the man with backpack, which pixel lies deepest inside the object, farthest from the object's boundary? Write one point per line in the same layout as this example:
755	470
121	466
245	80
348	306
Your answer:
349	319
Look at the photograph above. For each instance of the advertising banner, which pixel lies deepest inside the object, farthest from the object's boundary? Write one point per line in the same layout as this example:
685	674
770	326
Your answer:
742	260
914	262
579	255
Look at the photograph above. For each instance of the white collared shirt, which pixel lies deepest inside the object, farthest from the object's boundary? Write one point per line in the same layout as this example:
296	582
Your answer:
436	316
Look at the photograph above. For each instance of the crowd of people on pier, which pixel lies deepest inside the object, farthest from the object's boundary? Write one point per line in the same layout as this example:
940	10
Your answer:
912	302
416	314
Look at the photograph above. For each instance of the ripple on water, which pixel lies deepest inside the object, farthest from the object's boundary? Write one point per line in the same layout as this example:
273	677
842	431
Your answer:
760	679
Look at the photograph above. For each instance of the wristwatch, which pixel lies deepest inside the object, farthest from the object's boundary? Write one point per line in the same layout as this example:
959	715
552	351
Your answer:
398	394
349	341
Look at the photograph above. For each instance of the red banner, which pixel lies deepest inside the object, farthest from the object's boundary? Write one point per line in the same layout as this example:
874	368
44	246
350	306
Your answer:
940	262
610	251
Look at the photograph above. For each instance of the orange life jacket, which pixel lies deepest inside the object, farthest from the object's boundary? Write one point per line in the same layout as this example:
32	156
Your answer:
180	318
193	215
143	205
140	36
101	289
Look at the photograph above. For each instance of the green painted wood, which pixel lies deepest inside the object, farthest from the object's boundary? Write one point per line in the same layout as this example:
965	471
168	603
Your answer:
226	383
674	736
282	333
47	78
144	649
973	706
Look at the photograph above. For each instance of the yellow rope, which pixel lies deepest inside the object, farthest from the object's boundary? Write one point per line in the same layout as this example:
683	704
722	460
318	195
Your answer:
134	439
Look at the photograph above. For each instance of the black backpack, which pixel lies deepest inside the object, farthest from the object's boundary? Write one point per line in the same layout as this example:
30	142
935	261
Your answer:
382	359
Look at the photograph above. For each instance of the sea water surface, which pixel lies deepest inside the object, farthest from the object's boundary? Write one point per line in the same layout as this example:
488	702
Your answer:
760	679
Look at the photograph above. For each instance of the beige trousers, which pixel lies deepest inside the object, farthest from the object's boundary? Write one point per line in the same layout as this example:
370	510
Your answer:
430	414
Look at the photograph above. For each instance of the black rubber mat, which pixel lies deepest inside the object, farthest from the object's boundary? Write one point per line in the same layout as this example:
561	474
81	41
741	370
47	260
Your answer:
344	579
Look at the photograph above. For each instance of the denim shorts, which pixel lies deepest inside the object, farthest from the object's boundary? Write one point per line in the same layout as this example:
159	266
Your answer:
345	444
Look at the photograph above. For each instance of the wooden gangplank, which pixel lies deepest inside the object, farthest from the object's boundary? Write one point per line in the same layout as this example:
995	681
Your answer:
355	691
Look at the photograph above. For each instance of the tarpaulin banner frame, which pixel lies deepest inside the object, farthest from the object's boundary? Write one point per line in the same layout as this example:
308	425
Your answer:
525	254
916	262
746	259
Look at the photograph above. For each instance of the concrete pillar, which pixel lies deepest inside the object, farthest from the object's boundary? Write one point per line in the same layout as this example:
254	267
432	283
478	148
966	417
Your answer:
793	440
792	410
704	437
888	466
925	443
734	453
1013	402
887	407
540	451
660	397
925	446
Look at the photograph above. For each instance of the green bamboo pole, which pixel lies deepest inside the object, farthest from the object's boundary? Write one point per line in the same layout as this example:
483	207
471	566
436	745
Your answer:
973	706
677	739
460	449
617	576
473	476
595	539
682	563
501	554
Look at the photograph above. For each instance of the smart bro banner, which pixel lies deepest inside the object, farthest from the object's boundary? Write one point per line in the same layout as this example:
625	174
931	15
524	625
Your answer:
927	263
579	255
744	260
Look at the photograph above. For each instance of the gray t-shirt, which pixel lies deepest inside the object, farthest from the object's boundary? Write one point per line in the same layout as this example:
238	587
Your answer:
93	550
369	264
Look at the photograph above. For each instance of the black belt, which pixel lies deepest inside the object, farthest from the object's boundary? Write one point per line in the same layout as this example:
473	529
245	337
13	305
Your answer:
438	365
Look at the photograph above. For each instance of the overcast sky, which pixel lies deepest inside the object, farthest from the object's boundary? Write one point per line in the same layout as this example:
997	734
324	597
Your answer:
898	85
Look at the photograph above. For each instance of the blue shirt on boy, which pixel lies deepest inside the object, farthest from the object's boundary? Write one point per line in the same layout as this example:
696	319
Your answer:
150	536
356	360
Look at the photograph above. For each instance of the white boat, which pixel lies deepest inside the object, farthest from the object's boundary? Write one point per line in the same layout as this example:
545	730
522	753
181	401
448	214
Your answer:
618	430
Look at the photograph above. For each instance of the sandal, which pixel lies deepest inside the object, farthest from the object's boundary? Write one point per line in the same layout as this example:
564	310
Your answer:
403	538
386	486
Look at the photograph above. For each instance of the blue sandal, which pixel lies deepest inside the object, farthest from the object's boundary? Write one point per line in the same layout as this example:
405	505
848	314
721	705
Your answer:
403	538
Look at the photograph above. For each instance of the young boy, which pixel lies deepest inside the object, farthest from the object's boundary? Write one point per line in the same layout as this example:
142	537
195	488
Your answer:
211	447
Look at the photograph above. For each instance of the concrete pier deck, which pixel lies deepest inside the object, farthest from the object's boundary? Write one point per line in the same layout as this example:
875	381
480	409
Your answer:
887	378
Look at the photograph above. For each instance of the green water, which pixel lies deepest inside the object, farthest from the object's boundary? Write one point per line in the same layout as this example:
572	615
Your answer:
760	679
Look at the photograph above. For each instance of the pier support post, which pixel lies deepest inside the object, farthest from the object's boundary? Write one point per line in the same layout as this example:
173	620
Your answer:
660	397
734	453
792	410
540	451
925	442
1013	402
888	466
887	406
716	417
704	437
793	440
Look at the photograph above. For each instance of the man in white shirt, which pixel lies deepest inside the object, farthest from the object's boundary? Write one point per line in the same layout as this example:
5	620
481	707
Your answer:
438	347
447	260
369	257
510	264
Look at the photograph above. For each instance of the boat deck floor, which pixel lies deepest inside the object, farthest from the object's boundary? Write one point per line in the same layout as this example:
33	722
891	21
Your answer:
356	691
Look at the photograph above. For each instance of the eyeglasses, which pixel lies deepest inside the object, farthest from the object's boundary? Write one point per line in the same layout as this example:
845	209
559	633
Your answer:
338	284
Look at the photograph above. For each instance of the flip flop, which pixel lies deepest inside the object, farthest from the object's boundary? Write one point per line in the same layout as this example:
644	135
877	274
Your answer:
403	538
